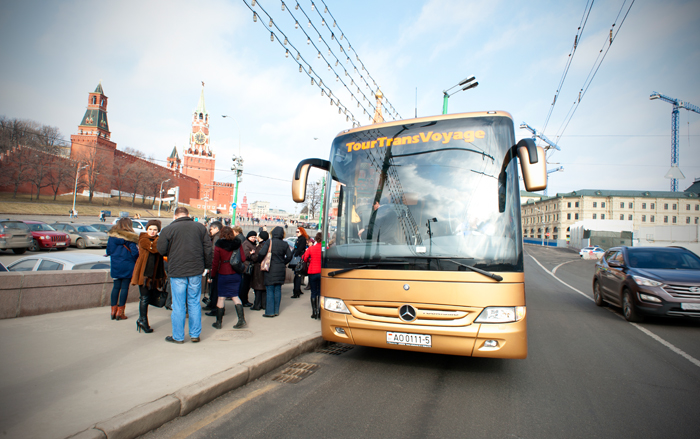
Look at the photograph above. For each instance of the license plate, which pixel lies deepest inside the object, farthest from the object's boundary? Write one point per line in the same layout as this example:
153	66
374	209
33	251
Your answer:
690	306
405	339
60	243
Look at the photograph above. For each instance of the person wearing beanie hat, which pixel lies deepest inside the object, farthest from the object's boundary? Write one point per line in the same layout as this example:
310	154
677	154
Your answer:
249	247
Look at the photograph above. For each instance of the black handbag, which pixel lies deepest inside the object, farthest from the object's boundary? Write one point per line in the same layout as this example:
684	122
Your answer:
249	268
294	262
157	298
302	268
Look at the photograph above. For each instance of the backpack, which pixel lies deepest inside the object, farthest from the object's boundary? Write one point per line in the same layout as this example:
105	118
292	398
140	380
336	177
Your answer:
236	262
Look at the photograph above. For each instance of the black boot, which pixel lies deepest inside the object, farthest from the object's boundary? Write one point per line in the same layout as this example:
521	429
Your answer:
257	301
241	317
318	307
263	299
213	309
142	322
219	318
313	307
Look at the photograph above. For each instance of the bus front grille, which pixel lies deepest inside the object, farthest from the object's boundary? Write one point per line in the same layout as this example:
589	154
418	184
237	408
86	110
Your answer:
425	314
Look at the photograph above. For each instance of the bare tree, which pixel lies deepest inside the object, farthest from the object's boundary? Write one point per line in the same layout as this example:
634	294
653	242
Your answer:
313	198
40	167
16	169
137	176
60	175
135	152
121	179
95	172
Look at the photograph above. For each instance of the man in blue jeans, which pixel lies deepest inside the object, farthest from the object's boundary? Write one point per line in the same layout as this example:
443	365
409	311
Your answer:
187	245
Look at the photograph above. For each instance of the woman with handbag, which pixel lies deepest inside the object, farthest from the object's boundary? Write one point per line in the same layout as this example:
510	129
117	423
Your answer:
248	248
313	258
229	282
123	252
299	249
257	281
275	254
149	274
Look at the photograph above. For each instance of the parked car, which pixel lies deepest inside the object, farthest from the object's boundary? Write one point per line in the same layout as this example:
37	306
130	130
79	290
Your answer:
139	225
102	227
64	261
83	235
15	235
659	281
587	250
291	241
46	237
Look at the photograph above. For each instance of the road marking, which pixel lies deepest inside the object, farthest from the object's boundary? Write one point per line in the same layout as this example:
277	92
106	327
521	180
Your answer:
672	347
223	412
554	270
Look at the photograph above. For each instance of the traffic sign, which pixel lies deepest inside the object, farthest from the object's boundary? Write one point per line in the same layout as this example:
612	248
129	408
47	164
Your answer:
233	205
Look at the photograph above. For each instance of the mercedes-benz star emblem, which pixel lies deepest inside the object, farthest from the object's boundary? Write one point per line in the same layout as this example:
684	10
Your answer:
406	287
407	313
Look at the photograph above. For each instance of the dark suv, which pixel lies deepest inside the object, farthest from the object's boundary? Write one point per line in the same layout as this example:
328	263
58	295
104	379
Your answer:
15	235
659	281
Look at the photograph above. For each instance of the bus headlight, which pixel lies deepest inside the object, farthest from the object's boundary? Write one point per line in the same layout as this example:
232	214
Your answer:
335	305
501	314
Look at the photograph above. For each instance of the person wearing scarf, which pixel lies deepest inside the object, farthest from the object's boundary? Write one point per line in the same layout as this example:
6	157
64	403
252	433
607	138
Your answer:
149	272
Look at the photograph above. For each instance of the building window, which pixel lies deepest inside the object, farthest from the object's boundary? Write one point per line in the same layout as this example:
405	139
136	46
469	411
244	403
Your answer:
674	207
651	219
644	205
665	206
674	220
696	220
576	216
622	216
568	216
594	216
629	217
622	205
687	220
666	219
697	207
595	204
602	216
630	205
644	218
577	204
652	206
602	204
687	207
569	204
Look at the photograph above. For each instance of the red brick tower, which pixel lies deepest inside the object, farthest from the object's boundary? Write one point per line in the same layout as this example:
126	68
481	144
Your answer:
174	162
198	159
92	145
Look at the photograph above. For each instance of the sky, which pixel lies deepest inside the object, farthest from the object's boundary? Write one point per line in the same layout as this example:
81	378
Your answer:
152	57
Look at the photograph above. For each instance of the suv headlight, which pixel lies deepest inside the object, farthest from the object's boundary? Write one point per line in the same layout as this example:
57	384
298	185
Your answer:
335	305
643	281
501	314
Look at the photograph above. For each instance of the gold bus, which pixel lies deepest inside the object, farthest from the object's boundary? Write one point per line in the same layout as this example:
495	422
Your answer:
422	246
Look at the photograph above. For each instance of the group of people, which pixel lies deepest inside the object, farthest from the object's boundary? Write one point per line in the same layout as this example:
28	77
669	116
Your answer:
185	252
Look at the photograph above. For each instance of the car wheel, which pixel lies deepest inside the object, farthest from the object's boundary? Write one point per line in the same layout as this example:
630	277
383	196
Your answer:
628	310
80	243
19	251
34	246
597	294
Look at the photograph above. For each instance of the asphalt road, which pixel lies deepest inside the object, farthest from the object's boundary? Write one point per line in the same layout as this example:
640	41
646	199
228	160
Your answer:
588	374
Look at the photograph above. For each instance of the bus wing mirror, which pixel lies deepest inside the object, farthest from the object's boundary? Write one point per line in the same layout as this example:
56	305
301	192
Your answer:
532	164
301	174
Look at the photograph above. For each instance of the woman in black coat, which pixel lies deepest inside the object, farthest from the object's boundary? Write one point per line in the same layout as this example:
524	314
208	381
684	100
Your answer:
281	254
258	280
299	249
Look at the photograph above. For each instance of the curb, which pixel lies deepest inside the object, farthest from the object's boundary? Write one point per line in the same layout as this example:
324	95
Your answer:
151	415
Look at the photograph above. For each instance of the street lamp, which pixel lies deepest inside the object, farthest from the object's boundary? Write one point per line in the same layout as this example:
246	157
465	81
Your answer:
75	189
161	195
466	84
238	167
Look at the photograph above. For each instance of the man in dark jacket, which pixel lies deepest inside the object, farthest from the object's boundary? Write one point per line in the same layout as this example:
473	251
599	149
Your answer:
187	245
274	278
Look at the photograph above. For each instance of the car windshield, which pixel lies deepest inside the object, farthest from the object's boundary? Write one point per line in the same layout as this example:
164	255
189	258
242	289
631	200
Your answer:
15	225
41	228
426	196
663	259
87	229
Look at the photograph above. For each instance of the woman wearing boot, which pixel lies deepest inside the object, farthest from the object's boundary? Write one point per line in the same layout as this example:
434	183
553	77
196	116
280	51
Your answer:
149	272
299	250
258	280
313	258
228	280
123	253
280	254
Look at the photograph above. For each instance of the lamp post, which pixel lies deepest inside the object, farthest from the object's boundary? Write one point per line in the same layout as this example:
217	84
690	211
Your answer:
161	195
466	84
75	189
238	167
542	212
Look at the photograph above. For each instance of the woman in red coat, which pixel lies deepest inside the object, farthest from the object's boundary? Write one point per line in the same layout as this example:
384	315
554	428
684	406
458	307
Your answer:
228	280
313	258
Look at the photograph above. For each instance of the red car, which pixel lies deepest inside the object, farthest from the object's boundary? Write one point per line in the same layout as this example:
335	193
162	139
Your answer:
46	237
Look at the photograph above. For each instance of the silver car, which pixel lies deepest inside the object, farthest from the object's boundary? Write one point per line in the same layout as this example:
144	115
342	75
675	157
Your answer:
15	235
64	261
83	235
139	225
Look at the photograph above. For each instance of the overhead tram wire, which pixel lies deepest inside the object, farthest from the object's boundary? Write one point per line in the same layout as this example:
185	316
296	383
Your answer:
577	40
315	77
394	114
595	67
326	10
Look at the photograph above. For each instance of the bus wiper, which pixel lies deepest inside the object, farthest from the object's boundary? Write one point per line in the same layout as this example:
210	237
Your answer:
471	267
373	265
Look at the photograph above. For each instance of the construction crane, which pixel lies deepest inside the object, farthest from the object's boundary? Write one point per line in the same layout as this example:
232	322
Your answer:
674	173
550	145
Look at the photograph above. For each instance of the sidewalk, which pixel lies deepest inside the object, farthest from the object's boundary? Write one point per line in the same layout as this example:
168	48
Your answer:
63	373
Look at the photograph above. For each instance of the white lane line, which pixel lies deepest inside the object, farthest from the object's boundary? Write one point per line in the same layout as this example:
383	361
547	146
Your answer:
554	270
672	347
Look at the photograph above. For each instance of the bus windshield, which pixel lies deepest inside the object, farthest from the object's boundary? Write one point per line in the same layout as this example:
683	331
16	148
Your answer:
425	196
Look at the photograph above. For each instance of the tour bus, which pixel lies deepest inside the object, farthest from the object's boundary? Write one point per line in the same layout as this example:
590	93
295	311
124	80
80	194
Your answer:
426	253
